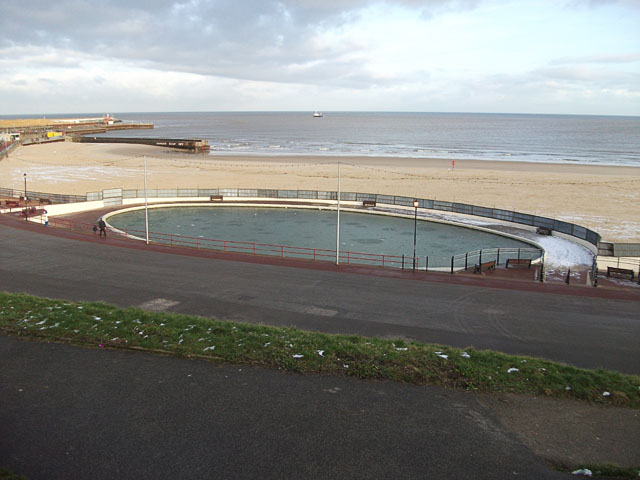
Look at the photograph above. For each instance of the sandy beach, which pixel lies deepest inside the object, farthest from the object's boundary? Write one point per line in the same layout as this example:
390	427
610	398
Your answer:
602	198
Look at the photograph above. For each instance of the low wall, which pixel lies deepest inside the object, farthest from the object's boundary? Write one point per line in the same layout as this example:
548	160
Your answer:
534	221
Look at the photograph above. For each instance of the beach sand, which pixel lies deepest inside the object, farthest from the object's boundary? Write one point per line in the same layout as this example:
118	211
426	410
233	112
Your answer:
602	198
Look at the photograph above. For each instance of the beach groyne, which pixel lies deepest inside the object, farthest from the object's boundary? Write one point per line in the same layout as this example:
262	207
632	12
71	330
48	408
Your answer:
192	145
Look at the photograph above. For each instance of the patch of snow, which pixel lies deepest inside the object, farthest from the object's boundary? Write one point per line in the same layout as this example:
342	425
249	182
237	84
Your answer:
606	394
297	355
320	352
564	253
511	370
583	471
73	173
465	355
212	347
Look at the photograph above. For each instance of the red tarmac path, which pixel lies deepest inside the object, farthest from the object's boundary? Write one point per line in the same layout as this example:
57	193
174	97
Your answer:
520	279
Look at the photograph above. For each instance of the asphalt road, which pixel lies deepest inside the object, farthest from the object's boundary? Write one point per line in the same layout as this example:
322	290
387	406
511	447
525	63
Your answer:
583	331
70	412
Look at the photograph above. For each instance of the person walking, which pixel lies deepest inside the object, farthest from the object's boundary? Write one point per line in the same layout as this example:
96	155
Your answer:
103	227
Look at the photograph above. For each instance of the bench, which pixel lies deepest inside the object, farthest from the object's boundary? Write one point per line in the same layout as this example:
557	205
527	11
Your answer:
620	271
543	231
518	261
481	267
368	203
215	198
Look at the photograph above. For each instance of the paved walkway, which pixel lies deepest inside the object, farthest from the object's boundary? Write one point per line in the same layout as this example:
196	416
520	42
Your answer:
70	412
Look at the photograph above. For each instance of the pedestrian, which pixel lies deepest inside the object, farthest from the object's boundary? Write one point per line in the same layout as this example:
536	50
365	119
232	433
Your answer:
103	227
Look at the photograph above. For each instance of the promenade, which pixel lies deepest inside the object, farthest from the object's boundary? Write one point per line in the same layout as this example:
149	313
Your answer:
94	413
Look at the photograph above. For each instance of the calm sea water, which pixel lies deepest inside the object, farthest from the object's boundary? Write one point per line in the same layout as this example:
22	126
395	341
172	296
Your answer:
600	140
585	139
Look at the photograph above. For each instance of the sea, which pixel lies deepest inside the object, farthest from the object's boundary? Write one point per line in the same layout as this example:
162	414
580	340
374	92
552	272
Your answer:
570	139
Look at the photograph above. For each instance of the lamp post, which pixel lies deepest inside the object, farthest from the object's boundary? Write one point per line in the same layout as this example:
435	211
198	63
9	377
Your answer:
26	207
415	230
146	206
338	221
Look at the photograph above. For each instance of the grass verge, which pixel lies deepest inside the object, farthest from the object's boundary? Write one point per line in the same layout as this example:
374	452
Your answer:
100	325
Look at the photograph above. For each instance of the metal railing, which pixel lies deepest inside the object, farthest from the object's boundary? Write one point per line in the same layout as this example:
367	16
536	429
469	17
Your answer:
574	230
405	262
498	255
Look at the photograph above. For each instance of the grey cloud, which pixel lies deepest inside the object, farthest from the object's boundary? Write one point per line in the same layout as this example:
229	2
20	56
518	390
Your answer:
602	59
250	39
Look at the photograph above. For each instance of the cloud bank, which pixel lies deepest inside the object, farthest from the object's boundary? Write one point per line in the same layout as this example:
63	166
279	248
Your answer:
438	55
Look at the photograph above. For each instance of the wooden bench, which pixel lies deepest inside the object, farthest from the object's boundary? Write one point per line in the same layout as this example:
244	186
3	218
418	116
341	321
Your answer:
543	231
368	203
481	267
518	261
620	271
216	198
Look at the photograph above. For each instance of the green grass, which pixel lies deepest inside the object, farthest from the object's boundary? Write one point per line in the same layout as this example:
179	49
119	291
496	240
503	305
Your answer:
7	475
104	326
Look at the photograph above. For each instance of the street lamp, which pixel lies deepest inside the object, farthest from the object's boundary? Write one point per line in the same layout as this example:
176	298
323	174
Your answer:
415	230
26	207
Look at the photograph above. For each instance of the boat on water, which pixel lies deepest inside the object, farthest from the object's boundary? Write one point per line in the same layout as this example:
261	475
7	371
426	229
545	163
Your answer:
317	114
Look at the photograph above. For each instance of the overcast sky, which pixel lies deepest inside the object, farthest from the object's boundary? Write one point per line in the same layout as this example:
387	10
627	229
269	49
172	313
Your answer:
537	56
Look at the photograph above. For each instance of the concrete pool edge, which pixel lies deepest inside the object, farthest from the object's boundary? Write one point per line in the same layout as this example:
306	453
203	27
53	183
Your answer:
329	205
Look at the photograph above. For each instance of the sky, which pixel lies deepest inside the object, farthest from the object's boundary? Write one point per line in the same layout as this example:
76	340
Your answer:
519	56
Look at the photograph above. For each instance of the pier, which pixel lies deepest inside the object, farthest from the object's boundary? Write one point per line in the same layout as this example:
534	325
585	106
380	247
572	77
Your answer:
192	145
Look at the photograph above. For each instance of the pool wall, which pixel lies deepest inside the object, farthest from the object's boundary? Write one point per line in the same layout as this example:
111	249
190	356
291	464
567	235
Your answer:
327	205
115	197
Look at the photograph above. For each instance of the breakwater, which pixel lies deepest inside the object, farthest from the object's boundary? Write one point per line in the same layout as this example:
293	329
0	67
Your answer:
192	145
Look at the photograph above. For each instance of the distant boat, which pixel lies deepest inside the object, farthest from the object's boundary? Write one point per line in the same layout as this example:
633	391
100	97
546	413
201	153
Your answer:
317	114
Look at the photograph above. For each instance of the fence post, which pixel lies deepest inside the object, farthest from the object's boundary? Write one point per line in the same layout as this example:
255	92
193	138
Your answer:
498	258
465	260
403	261
518	253
480	258
426	266
568	277
452	264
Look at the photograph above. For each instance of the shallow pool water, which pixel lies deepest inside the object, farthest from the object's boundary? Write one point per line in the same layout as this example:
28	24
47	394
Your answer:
310	228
